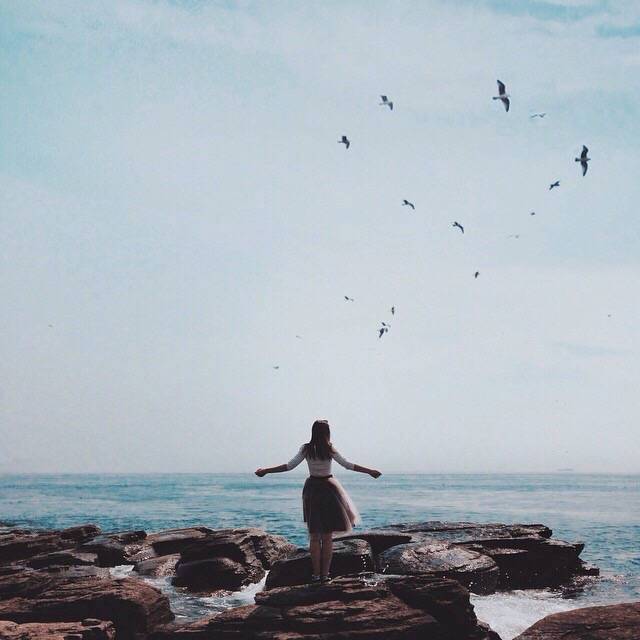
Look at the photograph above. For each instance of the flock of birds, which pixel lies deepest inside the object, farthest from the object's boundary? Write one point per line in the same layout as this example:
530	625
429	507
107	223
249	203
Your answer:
504	97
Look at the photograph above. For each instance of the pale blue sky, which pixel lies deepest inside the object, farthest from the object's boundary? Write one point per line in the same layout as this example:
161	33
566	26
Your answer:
173	201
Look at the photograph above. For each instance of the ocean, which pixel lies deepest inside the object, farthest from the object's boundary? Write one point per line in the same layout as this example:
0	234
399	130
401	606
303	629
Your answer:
603	511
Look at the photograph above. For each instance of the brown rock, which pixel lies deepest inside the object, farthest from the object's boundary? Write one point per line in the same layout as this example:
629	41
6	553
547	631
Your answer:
80	533
531	562
158	567
524	554
416	607
379	539
349	557
62	558
466	531
133	606
229	559
115	549
85	630
20	544
614	622
172	541
212	574
477	572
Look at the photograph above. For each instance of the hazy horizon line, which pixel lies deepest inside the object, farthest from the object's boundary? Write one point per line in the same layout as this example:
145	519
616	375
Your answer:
250	473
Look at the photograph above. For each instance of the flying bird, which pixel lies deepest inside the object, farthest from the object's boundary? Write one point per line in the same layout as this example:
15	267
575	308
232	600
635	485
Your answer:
514	235
348	299
345	141
406	203
538	115
299	337
554	184
382	331
386	103
533	213
502	95
384	324
476	274
457	224
583	160
393	311
276	367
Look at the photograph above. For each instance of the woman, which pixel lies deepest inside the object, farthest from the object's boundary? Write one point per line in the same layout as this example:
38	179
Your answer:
325	504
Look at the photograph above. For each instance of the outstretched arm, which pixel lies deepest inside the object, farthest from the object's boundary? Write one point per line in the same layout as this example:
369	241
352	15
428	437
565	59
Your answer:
279	469
292	464
374	473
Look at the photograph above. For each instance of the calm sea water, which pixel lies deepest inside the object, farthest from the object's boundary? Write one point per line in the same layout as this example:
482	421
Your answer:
601	510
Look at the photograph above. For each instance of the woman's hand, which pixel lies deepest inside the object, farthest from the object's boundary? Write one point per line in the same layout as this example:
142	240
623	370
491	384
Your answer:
374	473
261	472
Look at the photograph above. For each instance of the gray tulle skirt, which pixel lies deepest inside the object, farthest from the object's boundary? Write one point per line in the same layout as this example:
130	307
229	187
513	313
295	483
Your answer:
327	507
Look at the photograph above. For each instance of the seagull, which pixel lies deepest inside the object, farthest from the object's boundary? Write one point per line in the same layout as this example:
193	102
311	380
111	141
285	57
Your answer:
386	103
476	274
583	160
345	141
393	311
277	367
348	299
514	235
554	184
502	95
533	213
299	337
457	224
382	331
538	115
406	203
384	324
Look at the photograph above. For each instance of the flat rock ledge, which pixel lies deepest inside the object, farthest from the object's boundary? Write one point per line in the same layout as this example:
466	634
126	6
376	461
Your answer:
613	622
393	608
132	607
482	557
87	629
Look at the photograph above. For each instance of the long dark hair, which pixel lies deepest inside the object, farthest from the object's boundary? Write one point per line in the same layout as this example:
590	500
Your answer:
319	447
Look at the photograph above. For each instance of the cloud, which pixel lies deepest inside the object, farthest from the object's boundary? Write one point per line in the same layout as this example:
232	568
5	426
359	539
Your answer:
612	31
591	351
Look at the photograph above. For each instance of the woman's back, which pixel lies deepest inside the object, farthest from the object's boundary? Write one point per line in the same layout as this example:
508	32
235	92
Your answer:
318	467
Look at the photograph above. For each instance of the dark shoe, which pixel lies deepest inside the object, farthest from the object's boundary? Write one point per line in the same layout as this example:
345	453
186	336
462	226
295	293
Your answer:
325	579
315	579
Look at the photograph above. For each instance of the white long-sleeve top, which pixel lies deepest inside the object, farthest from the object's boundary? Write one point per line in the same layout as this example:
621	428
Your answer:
318	467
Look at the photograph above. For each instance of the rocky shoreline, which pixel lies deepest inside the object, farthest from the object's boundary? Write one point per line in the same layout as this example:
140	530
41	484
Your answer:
399	581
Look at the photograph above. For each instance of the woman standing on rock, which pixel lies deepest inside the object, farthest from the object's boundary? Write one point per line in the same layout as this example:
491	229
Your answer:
326	505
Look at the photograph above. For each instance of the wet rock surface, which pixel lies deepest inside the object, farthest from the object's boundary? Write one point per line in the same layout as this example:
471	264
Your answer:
88	629
349	557
476	571
161	566
394	608
229	559
134	608
614	622
116	548
423	572
483	557
18	544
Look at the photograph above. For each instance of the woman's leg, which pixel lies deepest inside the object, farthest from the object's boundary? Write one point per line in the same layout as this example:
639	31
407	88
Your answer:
315	551
327	552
